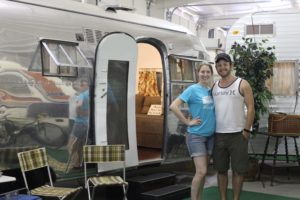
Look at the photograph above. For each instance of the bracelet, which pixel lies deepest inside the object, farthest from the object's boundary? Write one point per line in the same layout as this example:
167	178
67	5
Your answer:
247	130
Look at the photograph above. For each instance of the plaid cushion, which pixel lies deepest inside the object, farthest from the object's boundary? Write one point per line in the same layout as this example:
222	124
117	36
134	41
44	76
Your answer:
33	159
108	153
107	180
49	191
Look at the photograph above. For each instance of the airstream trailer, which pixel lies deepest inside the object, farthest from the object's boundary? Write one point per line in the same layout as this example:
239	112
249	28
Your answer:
134	65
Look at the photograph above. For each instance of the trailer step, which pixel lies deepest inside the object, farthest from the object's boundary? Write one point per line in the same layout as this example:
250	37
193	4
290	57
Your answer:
172	192
144	183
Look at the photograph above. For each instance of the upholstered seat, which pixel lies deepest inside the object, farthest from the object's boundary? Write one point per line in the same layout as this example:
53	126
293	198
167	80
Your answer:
49	191
149	128
108	180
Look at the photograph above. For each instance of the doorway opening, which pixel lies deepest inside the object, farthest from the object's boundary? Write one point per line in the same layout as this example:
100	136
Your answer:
149	103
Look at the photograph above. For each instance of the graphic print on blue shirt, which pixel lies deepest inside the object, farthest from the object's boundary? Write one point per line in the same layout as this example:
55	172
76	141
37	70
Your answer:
200	103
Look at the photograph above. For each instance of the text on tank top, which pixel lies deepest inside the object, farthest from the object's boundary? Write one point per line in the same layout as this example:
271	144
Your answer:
229	107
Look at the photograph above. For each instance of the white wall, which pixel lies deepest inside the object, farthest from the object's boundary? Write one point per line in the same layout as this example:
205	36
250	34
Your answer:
146	61
286	39
286	36
185	20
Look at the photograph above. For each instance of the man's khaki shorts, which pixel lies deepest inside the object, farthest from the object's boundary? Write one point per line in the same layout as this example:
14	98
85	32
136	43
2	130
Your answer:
230	148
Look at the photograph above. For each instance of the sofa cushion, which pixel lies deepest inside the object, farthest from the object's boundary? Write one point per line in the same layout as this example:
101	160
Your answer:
149	130
139	102
148	101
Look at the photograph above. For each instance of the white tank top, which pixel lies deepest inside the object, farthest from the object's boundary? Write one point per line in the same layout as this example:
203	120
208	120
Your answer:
229	107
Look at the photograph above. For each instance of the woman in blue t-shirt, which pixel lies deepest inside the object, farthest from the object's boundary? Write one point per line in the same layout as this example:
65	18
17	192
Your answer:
201	125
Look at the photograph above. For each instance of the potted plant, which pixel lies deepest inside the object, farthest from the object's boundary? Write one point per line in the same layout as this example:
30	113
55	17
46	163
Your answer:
254	62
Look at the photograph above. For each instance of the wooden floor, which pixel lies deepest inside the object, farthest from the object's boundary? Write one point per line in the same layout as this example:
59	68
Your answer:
145	153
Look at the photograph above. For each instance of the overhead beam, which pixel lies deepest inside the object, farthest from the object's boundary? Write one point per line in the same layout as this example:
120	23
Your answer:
295	3
173	3
190	3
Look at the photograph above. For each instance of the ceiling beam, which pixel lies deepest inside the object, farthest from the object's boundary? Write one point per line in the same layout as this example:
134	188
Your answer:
295	3
190	3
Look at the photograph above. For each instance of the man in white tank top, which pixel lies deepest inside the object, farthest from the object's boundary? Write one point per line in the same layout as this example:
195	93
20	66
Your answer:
231	96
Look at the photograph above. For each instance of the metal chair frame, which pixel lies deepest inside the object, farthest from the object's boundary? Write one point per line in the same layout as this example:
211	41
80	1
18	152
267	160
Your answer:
36	159
98	154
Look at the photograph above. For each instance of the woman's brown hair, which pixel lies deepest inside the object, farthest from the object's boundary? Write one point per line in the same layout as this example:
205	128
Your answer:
205	64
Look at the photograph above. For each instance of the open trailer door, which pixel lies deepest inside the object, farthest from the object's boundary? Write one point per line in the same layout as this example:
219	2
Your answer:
115	76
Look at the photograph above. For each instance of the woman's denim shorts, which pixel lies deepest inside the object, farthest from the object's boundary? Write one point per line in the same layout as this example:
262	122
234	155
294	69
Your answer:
199	145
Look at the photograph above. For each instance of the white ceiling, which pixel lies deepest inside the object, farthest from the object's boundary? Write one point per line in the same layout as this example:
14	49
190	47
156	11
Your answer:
227	10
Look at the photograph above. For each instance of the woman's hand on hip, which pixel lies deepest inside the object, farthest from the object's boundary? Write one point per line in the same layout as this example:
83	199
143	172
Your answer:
193	122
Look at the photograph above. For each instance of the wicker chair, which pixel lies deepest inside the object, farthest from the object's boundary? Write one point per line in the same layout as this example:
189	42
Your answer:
104	154
36	159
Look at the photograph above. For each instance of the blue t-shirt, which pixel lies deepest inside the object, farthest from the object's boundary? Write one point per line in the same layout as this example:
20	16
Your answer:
84	97
200	105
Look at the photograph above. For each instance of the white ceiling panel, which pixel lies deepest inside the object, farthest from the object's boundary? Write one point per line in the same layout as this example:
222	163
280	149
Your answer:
230	9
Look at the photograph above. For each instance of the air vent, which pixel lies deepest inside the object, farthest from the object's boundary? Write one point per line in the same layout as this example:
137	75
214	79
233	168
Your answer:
260	29
211	33
98	35
89	36
201	55
115	8
111	9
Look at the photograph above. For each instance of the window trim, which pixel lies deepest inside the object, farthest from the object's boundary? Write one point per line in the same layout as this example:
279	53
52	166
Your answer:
185	83
193	60
45	50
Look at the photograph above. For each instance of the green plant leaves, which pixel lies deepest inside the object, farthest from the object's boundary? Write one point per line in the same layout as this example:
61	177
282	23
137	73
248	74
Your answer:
254	62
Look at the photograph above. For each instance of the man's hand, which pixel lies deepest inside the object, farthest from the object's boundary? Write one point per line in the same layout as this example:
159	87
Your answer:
246	135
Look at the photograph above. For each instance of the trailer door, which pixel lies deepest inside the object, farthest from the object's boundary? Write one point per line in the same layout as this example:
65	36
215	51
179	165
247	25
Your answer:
115	76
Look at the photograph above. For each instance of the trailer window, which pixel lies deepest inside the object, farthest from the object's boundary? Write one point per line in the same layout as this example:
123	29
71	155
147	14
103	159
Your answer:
181	70
117	77
177	89
183	73
60	58
285	78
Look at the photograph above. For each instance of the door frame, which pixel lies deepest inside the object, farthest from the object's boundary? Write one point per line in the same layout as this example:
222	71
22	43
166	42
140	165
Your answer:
161	48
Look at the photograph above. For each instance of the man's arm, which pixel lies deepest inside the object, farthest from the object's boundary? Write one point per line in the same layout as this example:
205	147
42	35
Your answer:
246	90
80	111
78	106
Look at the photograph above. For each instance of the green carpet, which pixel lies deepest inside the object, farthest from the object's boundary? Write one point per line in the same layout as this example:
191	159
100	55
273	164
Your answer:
279	157
212	193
